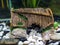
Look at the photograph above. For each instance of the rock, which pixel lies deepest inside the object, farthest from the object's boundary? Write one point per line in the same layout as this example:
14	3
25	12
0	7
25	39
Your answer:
40	38
56	43
46	36
30	39
39	43
10	41
1	27
35	27
58	30
7	36
1	41
28	30
26	42
20	43
5	32
12	36
22	39
18	32
1	33
31	44
39	34
0	37
5	28
55	36
35	37
33	32
53	42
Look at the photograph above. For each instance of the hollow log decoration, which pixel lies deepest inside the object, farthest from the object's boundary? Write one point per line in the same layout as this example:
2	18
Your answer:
41	16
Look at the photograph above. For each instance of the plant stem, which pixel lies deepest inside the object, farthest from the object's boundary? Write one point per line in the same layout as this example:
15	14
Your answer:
23	2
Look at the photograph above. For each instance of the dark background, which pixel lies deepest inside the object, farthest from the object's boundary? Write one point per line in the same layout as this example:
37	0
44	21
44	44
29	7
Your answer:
53	4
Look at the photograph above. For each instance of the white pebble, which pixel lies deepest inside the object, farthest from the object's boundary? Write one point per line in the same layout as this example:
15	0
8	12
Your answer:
31	44
26	42
39	43
6	37
40	38
31	39
8	34
35	37
39	35
58	29
56	43
0	37
51	44
1	28
1	33
20	43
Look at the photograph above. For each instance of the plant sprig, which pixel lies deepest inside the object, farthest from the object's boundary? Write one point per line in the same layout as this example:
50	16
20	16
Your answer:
22	17
30	3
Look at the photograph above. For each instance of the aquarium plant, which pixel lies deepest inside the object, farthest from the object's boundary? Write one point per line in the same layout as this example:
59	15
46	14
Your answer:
23	18
30	3
55	24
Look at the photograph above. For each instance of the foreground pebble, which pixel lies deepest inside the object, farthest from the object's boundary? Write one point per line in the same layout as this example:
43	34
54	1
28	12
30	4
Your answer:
18	32
1	33
20	43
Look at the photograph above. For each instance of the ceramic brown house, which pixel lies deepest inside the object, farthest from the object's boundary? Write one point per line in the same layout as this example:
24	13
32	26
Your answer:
40	16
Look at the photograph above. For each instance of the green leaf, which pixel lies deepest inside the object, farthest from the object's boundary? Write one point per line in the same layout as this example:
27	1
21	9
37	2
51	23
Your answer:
34	3
22	17
20	23
46	29
30	3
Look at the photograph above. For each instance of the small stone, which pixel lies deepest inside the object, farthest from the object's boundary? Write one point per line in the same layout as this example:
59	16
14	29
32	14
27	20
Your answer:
46	36
39	35
26	42
39	42
55	36
33	32
56	43
20	43
19	32
30	39
5	32
0	37
58	29
51	43
35	37
1	33
31	44
1	27
40	38
5	37
22	39
10	41
8	28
